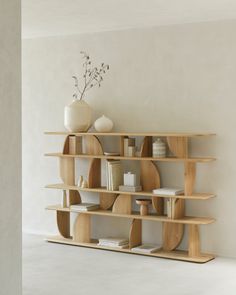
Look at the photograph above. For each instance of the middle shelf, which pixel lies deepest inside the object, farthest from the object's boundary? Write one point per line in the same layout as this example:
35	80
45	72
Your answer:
194	196
136	215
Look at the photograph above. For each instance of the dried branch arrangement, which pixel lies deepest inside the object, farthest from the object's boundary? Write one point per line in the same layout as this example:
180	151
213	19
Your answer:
93	76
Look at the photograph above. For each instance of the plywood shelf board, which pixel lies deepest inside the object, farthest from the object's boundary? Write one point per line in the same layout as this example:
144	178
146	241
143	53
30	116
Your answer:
196	159
176	255
194	196
136	215
161	134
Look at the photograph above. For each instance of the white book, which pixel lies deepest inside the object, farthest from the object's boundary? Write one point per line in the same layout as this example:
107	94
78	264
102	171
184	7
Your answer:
84	207
146	248
113	246
114	241
128	188
168	191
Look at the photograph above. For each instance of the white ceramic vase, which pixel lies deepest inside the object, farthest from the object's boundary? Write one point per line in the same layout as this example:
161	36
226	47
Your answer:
103	124
78	116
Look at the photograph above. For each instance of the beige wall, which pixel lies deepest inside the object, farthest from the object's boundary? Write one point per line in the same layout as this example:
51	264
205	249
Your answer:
174	78
10	148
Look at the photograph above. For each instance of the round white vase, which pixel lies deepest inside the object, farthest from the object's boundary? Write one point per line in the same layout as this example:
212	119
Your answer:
103	124
78	116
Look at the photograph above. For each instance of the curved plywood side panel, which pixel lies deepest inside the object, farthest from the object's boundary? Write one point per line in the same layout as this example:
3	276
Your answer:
146	148
189	178
172	234
93	145
178	146
123	204
94	174
106	200
74	197
66	146
135	234
150	179
63	223
82	228
67	170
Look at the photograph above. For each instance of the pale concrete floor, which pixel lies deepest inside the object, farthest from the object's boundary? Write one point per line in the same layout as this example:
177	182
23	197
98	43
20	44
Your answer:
53	269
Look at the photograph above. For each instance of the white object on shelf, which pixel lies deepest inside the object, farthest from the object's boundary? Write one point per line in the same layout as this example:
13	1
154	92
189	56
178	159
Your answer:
159	149
78	116
129	188
168	191
81	179
64	200
146	248
103	124
131	151
84	184
130	179
84	207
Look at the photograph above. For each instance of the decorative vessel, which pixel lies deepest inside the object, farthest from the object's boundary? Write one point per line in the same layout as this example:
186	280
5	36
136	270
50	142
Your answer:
78	116
103	124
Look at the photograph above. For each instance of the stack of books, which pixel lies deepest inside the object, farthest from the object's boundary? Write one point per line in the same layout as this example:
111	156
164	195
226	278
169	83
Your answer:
146	248
169	191
84	207
114	174
119	243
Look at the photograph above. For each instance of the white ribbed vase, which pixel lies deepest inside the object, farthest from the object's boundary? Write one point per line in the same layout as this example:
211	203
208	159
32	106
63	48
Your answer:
78	116
159	149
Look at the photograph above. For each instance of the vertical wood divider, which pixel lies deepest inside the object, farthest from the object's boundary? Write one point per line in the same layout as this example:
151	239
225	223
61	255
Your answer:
194	241
82	228
135	234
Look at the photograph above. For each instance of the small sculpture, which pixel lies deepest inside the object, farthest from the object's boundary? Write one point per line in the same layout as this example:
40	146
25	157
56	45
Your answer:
143	205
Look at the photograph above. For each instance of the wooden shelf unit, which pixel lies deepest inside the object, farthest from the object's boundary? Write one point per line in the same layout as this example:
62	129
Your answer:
119	204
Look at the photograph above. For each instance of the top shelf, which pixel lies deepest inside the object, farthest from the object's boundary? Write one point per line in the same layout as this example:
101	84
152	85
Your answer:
155	134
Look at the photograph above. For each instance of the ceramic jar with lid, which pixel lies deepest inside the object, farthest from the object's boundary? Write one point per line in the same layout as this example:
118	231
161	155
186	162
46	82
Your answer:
159	149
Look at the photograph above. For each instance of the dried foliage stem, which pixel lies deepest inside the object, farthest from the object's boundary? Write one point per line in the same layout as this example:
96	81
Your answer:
93	76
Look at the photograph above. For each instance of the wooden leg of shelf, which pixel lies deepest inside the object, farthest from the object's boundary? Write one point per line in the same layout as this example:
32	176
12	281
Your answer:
123	204
74	197
189	177
106	200
178	146
82	228
135	234
63	223
67	170
194	241
94	175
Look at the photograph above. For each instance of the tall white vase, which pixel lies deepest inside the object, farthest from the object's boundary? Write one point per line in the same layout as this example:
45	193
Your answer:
78	116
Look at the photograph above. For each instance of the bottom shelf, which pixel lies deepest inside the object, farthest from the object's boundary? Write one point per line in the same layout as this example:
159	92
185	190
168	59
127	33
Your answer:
177	254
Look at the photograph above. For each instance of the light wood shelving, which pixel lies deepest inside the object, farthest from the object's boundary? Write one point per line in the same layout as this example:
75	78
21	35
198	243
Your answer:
176	254
195	196
119	204
136	215
170	159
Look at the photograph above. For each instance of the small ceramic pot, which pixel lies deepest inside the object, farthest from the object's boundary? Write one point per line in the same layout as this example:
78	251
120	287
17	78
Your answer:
103	124
78	116
159	149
